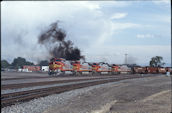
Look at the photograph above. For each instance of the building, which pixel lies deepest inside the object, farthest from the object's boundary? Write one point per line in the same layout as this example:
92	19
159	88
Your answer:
45	68
31	68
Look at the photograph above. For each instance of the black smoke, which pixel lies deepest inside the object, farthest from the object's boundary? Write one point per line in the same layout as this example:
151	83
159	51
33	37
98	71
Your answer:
54	40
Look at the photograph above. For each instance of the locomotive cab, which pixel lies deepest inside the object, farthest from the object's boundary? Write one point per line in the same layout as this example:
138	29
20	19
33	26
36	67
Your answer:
81	68
58	66
115	69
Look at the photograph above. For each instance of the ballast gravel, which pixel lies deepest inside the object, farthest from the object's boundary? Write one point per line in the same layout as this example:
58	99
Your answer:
41	104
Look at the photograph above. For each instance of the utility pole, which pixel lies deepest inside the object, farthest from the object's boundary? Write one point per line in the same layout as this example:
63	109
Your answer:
126	58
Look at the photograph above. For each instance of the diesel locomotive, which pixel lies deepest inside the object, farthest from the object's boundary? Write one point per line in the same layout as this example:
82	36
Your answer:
60	66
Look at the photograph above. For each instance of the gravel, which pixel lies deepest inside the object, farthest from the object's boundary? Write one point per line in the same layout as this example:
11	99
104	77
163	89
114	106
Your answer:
41	104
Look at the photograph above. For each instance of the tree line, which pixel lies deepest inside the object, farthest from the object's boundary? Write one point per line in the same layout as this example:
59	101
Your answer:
19	62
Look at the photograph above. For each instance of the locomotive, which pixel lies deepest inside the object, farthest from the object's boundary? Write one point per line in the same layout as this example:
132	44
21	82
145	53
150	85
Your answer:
60	66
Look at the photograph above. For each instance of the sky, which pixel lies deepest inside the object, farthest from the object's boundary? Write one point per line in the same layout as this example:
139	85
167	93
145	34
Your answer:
103	30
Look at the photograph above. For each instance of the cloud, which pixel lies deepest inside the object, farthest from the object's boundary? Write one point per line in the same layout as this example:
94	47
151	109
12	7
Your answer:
89	5
166	19
80	27
145	36
162	3
142	36
111	28
126	25
158	2
118	16
136	53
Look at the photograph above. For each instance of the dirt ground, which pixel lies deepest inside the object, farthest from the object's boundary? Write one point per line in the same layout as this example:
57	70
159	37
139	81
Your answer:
144	95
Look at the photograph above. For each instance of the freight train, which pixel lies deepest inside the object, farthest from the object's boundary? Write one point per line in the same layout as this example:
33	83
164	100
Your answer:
58	66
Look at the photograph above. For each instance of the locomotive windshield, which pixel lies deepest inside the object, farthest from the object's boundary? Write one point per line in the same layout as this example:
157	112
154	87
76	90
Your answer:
54	59
94	64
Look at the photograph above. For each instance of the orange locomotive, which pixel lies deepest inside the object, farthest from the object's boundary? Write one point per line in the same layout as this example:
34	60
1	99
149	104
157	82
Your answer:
101	68
115	69
124	69
58	66
139	70
151	70
80	68
162	70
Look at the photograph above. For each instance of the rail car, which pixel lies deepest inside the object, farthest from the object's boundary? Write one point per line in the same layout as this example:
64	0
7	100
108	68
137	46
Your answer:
168	69
101	68
139	70
115	69
162	70
124	69
151	70
58	66
81	68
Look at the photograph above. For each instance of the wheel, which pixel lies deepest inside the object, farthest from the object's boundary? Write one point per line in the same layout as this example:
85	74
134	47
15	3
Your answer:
109	73
74	73
93	73
146	72
58	72
49	73
78	73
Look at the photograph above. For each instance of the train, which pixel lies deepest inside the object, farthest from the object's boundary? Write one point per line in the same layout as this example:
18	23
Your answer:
60	66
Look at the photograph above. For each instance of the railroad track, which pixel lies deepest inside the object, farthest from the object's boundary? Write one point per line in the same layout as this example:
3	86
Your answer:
24	85
39	77
23	96
18	78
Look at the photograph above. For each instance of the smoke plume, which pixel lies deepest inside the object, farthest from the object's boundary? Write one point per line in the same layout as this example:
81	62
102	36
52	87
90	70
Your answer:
54	40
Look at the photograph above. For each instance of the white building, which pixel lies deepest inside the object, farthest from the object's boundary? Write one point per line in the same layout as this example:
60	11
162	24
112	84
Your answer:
19	70
45	68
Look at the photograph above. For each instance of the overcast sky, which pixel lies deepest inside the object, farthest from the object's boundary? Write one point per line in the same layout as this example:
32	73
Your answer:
103	30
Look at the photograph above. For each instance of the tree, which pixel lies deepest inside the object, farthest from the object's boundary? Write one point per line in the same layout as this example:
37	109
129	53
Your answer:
20	62
4	64
43	63
156	61
29	63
